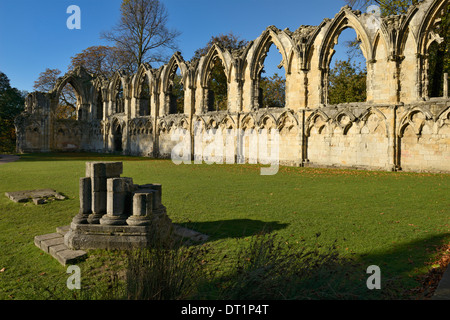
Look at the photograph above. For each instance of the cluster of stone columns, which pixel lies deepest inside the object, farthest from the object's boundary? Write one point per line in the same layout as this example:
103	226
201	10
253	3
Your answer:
108	199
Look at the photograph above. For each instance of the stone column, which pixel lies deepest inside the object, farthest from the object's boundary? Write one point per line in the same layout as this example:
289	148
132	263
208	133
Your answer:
99	172
85	201
157	196
118	201
445	85
142	208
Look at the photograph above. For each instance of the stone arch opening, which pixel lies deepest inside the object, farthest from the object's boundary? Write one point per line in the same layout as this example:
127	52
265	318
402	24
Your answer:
144	96
175	91
117	137
345	19
346	78
432	46
437	55
271	82
99	111
216	86
68	107
119	97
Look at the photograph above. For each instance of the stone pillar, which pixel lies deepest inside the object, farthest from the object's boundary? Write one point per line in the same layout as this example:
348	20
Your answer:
99	172
85	201
157	196
446	85
142	208
119	193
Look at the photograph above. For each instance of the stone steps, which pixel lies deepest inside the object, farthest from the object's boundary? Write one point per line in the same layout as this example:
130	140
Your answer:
53	244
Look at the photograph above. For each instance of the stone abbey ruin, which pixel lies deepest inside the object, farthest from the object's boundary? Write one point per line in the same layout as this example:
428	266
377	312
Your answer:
399	127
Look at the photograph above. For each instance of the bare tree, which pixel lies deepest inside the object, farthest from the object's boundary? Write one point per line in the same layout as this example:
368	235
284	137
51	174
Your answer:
142	31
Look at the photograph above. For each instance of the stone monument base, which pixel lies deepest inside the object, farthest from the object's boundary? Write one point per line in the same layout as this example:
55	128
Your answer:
124	237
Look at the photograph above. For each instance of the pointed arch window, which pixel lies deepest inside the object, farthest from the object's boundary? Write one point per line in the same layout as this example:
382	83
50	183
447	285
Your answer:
217	86
119	98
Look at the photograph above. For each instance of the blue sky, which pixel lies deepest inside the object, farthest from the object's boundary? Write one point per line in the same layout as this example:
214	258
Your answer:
34	35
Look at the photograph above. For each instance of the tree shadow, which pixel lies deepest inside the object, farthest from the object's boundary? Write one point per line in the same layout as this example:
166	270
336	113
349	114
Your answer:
329	275
407	265
236	228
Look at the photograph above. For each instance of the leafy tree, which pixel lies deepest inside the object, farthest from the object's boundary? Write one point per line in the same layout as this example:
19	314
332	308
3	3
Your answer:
228	41
273	91
347	83
102	60
11	105
387	7
142	31
68	98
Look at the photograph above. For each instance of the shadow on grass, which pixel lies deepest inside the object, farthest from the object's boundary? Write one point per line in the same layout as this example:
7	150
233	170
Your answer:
236	228
270	270
407	265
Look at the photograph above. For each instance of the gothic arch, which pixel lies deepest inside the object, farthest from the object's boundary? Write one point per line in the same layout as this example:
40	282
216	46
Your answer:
426	34
270	36
137	82
118	91
227	122
119	79
175	62
248	122
416	118
215	52
382	118
99	94
317	118
79	79
267	121
346	18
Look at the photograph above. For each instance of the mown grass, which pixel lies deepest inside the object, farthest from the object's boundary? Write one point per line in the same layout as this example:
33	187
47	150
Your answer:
393	220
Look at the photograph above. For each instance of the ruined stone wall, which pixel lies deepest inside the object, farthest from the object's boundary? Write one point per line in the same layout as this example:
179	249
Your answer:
398	127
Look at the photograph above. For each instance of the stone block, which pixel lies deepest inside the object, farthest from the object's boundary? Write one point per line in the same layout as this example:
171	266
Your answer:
98	184
47	244
143	203
120	185
85	196
68	256
157	196
104	169
99	202
39	239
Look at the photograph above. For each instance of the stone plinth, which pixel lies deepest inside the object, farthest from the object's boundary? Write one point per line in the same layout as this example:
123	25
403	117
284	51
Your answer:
115	213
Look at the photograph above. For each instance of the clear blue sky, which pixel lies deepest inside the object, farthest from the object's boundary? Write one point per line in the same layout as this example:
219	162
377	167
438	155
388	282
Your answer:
34	36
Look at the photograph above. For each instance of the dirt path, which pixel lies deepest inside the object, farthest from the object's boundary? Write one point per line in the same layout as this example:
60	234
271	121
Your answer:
6	158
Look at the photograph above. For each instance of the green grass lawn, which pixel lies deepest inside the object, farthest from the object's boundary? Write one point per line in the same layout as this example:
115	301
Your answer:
393	220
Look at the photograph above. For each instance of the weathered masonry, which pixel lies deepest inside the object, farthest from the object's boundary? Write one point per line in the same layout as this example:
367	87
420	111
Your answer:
399	127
